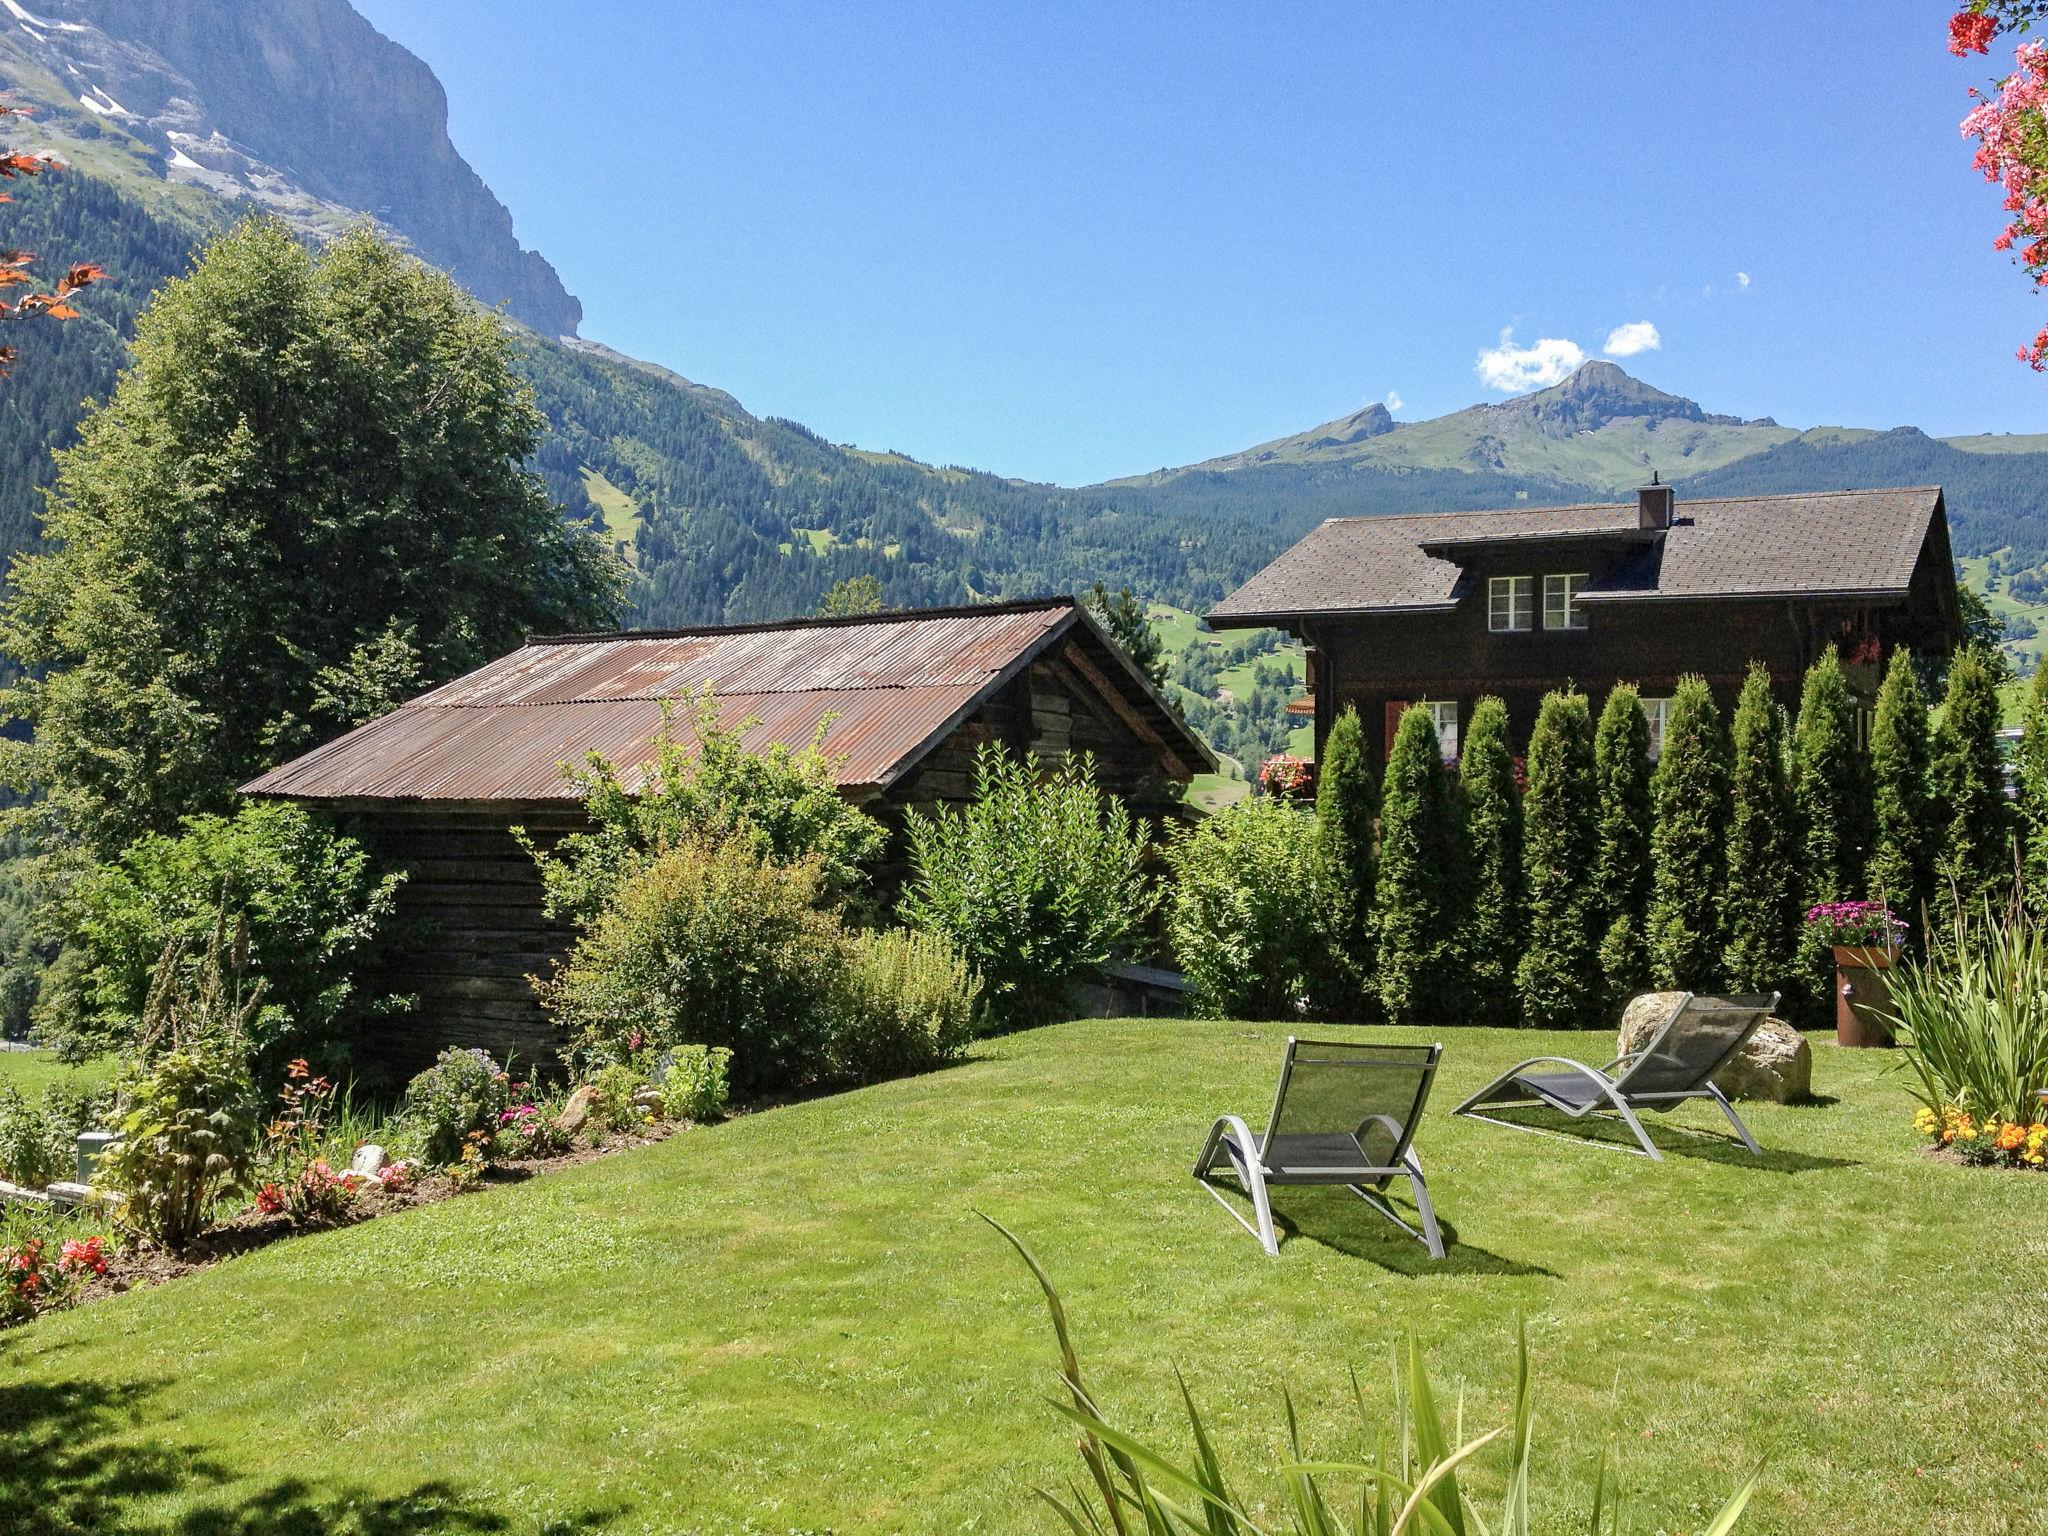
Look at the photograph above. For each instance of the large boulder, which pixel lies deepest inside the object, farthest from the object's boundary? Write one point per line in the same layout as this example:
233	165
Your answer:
1775	1063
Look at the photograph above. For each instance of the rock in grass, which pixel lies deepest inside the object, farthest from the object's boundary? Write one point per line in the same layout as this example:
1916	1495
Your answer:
1774	1064
368	1160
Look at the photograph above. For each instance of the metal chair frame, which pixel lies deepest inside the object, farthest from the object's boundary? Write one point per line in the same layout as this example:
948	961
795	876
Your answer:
1230	1141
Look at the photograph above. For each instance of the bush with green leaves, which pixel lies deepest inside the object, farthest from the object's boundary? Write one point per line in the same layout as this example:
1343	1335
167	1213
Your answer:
1241	908
707	945
1971	1017
186	1110
1421	878
1689	847
464	1094
902	1002
695	1082
2032	776
1039	882
782	802
35	1148
1974	864
1559	975
1495	918
311	902
1762	913
1901	870
1347	809
1410	1485
1621	864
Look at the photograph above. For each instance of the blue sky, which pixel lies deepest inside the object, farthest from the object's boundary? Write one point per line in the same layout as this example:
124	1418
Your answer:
1075	241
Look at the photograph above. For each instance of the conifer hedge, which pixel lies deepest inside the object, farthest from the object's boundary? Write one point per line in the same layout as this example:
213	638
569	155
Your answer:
1347	801
2033	791
1493	834
1689	846
1902	813
1974	861
1762	913
1621	867
1559	974
1421	878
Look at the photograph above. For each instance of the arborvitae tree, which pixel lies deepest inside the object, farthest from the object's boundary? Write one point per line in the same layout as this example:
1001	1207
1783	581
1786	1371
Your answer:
1347	802
1829	787
1493	836
1973	861
1421	878
2033	788
1559	975
1902	831
1123	615
1621	867
1689	848
1761	915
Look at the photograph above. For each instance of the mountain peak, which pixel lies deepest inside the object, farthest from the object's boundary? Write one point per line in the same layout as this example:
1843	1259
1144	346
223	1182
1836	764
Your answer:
1596	393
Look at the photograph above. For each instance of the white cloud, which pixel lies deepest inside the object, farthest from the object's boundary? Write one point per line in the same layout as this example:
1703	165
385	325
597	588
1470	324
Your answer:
1512	369
1394	400
1742	279
1628	340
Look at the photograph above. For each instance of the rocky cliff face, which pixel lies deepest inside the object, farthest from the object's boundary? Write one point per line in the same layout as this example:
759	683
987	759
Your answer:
300	106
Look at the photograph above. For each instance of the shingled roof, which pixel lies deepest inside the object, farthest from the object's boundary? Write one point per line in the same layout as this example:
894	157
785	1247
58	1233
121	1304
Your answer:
1822	543
892	685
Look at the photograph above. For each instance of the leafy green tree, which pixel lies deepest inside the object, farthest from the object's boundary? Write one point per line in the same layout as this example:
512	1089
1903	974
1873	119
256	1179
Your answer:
852	597
1559	977
1123	615
1621	868
1902	814
1974	861
1984	632
1347	805
1421	878
1235	913
315	461
1039	882
1689	847
1762	912
1493	834
2033	790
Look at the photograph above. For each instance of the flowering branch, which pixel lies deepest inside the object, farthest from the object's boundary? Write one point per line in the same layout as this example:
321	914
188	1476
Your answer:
14	265
2011	130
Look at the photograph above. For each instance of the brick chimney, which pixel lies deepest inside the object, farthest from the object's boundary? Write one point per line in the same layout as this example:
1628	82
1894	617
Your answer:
1653	503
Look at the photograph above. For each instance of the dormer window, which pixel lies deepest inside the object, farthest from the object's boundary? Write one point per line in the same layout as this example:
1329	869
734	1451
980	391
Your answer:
1561	608
1510	604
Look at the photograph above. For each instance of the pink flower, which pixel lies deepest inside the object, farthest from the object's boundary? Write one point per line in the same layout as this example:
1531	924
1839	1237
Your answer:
1970	32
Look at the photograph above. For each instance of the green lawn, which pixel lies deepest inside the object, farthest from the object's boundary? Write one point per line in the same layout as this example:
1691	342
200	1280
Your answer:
794	1322
32	1071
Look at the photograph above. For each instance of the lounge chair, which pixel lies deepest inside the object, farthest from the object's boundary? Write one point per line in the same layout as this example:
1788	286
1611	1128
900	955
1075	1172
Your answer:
1343	1114
1677	1064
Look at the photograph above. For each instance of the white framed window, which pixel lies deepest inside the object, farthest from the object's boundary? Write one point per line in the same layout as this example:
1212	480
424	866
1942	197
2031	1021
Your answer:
1444	717
1561	608
1658	713
1510	604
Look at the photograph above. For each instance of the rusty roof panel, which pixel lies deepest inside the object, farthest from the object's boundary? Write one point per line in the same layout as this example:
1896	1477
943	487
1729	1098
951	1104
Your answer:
889	686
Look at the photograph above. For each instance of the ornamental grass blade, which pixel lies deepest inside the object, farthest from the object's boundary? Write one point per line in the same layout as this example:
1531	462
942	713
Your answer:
1071	1520
1426	1503
1312	1516
1599	1493
1208	1470
1431	1447
1143	1459
1514	1516
1731	1512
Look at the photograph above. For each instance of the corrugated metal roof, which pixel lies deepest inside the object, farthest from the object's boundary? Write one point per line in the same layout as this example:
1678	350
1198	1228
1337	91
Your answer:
890	684
1815	542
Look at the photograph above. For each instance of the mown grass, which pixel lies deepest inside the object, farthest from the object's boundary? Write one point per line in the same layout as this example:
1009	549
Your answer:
794	1321
33	1071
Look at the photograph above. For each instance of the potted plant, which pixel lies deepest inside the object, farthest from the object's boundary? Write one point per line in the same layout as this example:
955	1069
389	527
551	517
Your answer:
1287	776
1865	938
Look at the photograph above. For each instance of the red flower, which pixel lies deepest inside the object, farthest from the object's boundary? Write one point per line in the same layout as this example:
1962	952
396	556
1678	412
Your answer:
270	1199
90	1254
1970	32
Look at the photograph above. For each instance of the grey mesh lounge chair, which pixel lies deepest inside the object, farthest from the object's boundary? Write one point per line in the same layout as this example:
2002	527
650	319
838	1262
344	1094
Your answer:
1343	1114
1677	1064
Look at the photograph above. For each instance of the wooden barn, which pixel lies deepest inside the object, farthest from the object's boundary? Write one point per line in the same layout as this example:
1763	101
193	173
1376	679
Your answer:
1443	608
436	785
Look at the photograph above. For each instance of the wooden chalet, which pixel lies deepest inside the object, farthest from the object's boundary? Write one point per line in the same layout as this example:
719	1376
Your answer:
1445	608
436	785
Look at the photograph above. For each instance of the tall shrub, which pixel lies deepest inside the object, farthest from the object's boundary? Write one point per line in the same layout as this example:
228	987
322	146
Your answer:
1038	882
1762	912
1974	862
1492	805
1240	908
1559	976
1421	878
1902	812
1621	867
1831	810
2033	792
1347	804
1689	846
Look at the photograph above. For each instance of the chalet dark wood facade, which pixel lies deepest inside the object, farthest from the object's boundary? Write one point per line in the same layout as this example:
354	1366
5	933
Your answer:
436	786
1446	608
